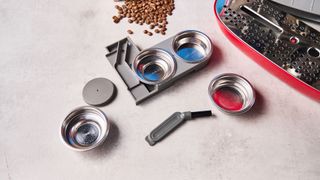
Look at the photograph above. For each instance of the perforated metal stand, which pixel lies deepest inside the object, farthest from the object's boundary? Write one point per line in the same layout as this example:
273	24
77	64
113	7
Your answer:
280	37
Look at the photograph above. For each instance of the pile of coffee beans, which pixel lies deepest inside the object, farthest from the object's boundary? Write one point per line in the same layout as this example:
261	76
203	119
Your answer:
154	13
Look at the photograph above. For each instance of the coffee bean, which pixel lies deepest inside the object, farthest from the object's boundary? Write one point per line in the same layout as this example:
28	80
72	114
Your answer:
118	7
151	12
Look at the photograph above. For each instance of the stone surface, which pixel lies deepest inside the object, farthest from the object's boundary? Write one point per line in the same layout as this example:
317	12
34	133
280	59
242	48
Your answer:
50	49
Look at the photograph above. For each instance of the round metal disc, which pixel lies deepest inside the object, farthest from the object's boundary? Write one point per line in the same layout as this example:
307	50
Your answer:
99	91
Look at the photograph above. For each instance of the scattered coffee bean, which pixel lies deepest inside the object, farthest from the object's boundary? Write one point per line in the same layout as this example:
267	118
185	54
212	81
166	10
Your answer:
118	7
151	12
130	31
116	20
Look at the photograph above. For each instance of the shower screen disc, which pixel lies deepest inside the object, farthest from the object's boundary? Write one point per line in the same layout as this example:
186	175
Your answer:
98	92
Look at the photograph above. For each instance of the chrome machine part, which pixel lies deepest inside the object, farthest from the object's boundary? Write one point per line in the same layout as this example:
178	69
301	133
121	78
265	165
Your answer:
85	128
282	38
232	93
307	9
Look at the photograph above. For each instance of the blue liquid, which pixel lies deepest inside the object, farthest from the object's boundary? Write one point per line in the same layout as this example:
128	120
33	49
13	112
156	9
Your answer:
152	73
190	53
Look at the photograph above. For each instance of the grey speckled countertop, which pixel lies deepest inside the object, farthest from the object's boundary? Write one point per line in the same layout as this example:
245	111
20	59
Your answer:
50	49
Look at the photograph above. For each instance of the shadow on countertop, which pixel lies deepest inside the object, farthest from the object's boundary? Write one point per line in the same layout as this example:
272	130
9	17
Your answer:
108	146
216	58
257	110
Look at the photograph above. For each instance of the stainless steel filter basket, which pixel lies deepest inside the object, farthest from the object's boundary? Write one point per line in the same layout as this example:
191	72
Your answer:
154	66
85	128
232	93
192	46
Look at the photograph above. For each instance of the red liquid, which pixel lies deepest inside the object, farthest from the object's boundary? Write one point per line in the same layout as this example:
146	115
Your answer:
228	99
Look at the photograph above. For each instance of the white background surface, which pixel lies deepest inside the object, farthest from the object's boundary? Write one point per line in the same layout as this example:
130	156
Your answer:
50	49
